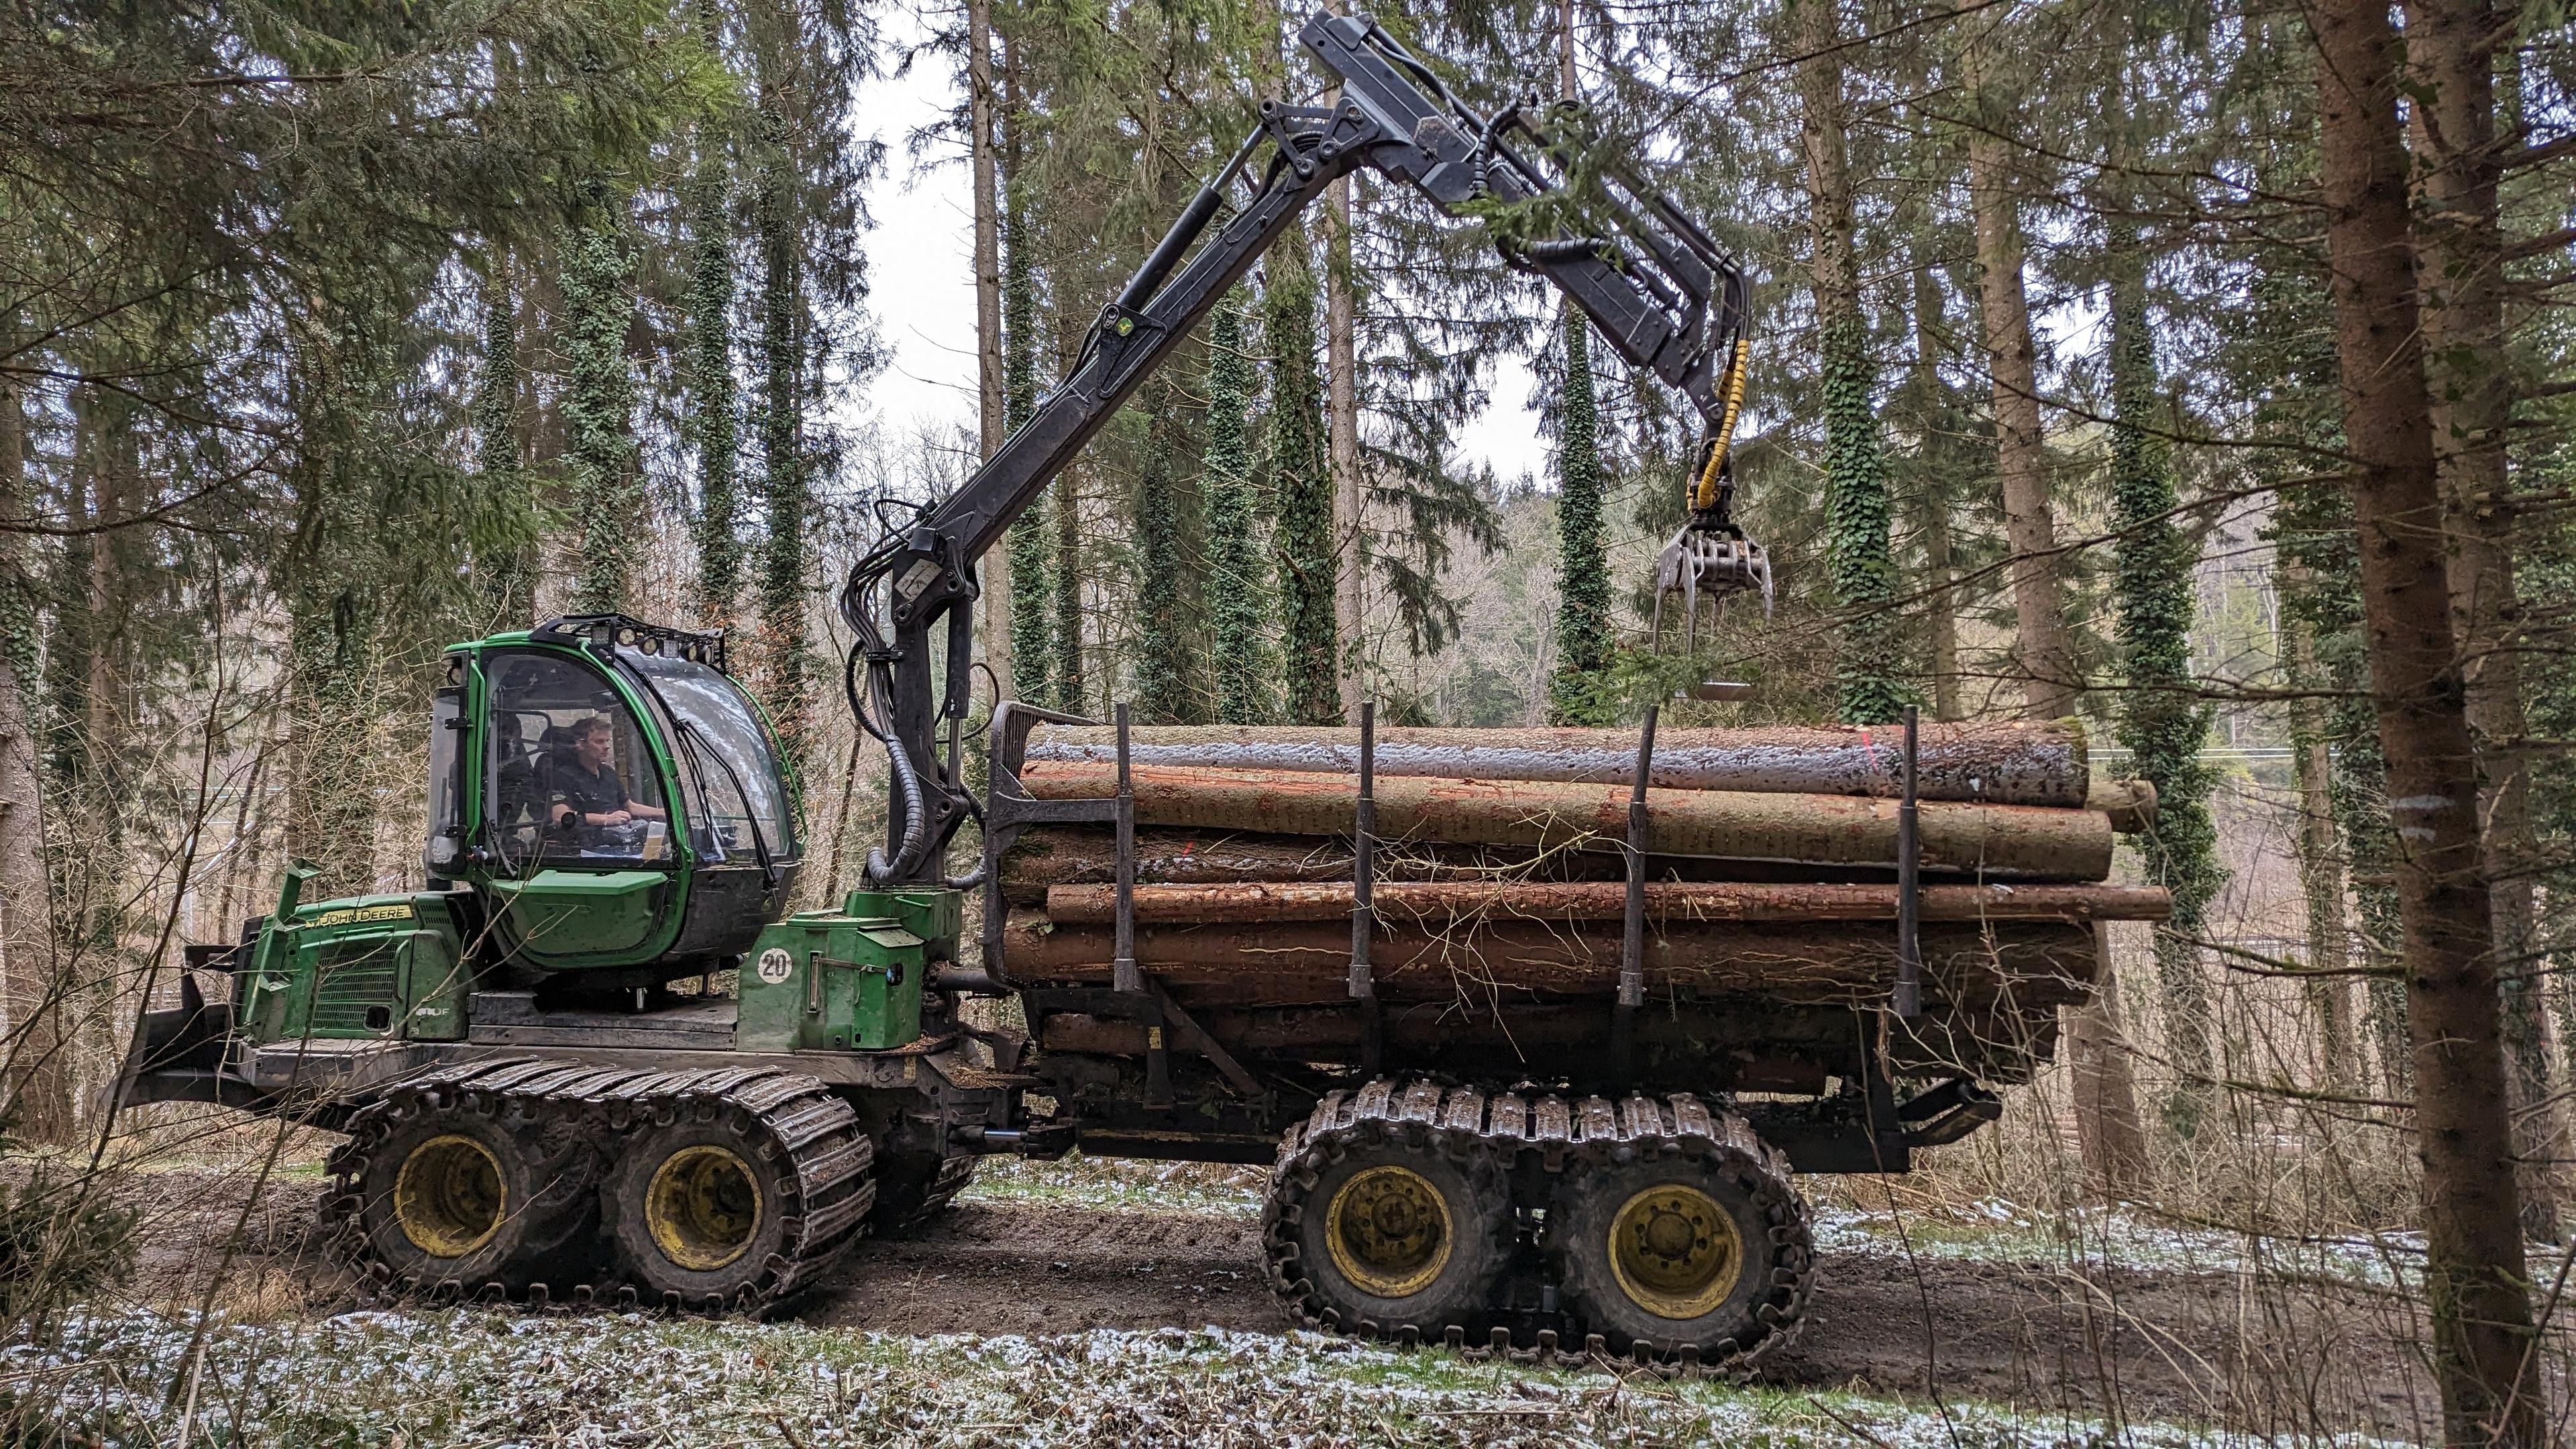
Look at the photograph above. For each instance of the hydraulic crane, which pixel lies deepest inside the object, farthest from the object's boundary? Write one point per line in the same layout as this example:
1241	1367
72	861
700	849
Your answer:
1650	279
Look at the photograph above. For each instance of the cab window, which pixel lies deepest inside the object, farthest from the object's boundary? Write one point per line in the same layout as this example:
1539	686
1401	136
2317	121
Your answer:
737	791
572	779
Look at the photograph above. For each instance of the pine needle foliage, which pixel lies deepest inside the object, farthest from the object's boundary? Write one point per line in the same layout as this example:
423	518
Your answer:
1579	694
599	408
1238	576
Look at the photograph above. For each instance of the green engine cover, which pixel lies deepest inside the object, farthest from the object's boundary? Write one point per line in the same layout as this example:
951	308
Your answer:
369	967
848	979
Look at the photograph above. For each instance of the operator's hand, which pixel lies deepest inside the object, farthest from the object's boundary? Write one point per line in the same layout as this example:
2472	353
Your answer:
615	817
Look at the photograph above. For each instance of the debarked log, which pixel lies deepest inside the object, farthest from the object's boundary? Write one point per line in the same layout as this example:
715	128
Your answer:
2025	963
1253	902
2002	763
2011	841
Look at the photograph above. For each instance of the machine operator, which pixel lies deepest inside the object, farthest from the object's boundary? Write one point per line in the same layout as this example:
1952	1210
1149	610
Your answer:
588	799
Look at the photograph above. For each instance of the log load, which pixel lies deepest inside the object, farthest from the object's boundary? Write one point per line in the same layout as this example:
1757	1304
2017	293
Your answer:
1999	763
2015	842
1271	901
2032	964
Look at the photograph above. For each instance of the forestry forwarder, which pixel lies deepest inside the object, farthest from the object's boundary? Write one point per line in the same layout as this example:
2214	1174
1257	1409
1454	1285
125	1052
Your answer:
548	1094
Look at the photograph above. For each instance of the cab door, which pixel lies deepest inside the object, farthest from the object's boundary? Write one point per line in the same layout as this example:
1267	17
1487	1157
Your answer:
579	819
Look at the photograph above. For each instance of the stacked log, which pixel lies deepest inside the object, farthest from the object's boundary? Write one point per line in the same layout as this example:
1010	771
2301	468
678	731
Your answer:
1499	904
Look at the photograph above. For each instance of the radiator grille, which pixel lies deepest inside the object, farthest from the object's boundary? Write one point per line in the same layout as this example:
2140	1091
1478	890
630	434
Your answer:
351	978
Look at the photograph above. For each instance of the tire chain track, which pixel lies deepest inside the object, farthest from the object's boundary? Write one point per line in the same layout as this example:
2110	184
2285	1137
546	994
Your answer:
581	1112
1569	1138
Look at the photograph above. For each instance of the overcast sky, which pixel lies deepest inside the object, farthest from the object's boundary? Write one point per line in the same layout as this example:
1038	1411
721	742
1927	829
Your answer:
921	267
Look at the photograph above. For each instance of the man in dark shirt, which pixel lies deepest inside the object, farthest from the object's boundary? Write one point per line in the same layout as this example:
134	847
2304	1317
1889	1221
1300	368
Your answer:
587	798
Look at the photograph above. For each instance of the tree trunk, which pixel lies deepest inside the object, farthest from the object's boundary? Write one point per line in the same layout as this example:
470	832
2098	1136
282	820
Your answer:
991	416
1066	572
2047	661
35	1073
509	575
1856	493
1032	588
2010	842
2320	862
1169	674
1238	583
1264	902
1342	408
1937	425
1310	642
599	408
2475	1269
2002	762
2108	1137
783	652
2162	718
2453	48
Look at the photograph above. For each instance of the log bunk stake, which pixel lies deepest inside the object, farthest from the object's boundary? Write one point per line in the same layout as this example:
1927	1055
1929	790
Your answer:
1363	912
1907	999
1632	941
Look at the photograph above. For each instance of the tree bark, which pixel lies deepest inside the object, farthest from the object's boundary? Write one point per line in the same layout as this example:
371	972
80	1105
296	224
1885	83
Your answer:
2015	842
35	1073
2460	241
2047	661
992	415
2475	1268
2108	1138
1940	567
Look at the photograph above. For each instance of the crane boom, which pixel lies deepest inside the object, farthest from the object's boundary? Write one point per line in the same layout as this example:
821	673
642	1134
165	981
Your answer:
1654	284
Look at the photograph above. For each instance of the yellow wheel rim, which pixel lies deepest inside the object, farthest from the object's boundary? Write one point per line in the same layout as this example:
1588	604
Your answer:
1675	1251
449	1198
703	1208
1389	1232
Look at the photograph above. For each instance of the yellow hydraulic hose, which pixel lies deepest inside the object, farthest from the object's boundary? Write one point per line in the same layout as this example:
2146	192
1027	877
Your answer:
1704	491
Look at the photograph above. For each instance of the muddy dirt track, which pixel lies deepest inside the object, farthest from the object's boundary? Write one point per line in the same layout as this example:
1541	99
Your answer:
2264	1357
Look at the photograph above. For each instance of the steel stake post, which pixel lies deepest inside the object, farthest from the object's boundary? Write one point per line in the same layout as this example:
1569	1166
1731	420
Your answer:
1908	1000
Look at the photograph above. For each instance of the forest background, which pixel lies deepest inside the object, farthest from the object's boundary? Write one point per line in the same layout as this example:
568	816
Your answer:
2200	371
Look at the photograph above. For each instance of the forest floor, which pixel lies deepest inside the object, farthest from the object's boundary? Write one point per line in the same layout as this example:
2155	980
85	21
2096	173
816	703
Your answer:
1091	1301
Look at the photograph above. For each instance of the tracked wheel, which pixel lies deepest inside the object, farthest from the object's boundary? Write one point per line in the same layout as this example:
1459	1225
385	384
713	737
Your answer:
1387	1218
914	1188
1676	1236
446	1189
730	1200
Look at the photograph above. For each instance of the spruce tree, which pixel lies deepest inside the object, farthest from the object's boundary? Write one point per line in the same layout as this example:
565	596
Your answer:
599	407
2162	717
1238	579
1303	477
1032	597
1579	694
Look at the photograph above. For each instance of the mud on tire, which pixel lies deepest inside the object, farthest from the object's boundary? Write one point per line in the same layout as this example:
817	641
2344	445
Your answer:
1679	1237
446	1189
1386	1218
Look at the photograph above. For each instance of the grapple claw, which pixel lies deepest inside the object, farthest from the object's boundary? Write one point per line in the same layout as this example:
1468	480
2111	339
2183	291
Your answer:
1712	561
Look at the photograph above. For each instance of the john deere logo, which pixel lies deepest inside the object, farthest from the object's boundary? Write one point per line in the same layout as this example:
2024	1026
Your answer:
775	965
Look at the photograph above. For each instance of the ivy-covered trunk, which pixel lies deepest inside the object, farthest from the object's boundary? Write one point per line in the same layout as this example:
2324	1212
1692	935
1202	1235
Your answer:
507	569
1032	588
1580	692
1307	566
783	651
1858	558
712	425
2162	717
36	1086
1238	576
599	407
1168	669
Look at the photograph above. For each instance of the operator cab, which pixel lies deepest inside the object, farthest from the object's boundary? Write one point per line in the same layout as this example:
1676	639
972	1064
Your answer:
611	796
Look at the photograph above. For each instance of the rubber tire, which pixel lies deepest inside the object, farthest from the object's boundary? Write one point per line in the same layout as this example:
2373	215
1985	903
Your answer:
1578	1244
1479	1200
909	1192
518	1250
641	1261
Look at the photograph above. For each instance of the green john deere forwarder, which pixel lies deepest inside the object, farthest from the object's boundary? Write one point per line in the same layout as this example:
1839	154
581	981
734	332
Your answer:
596	1059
